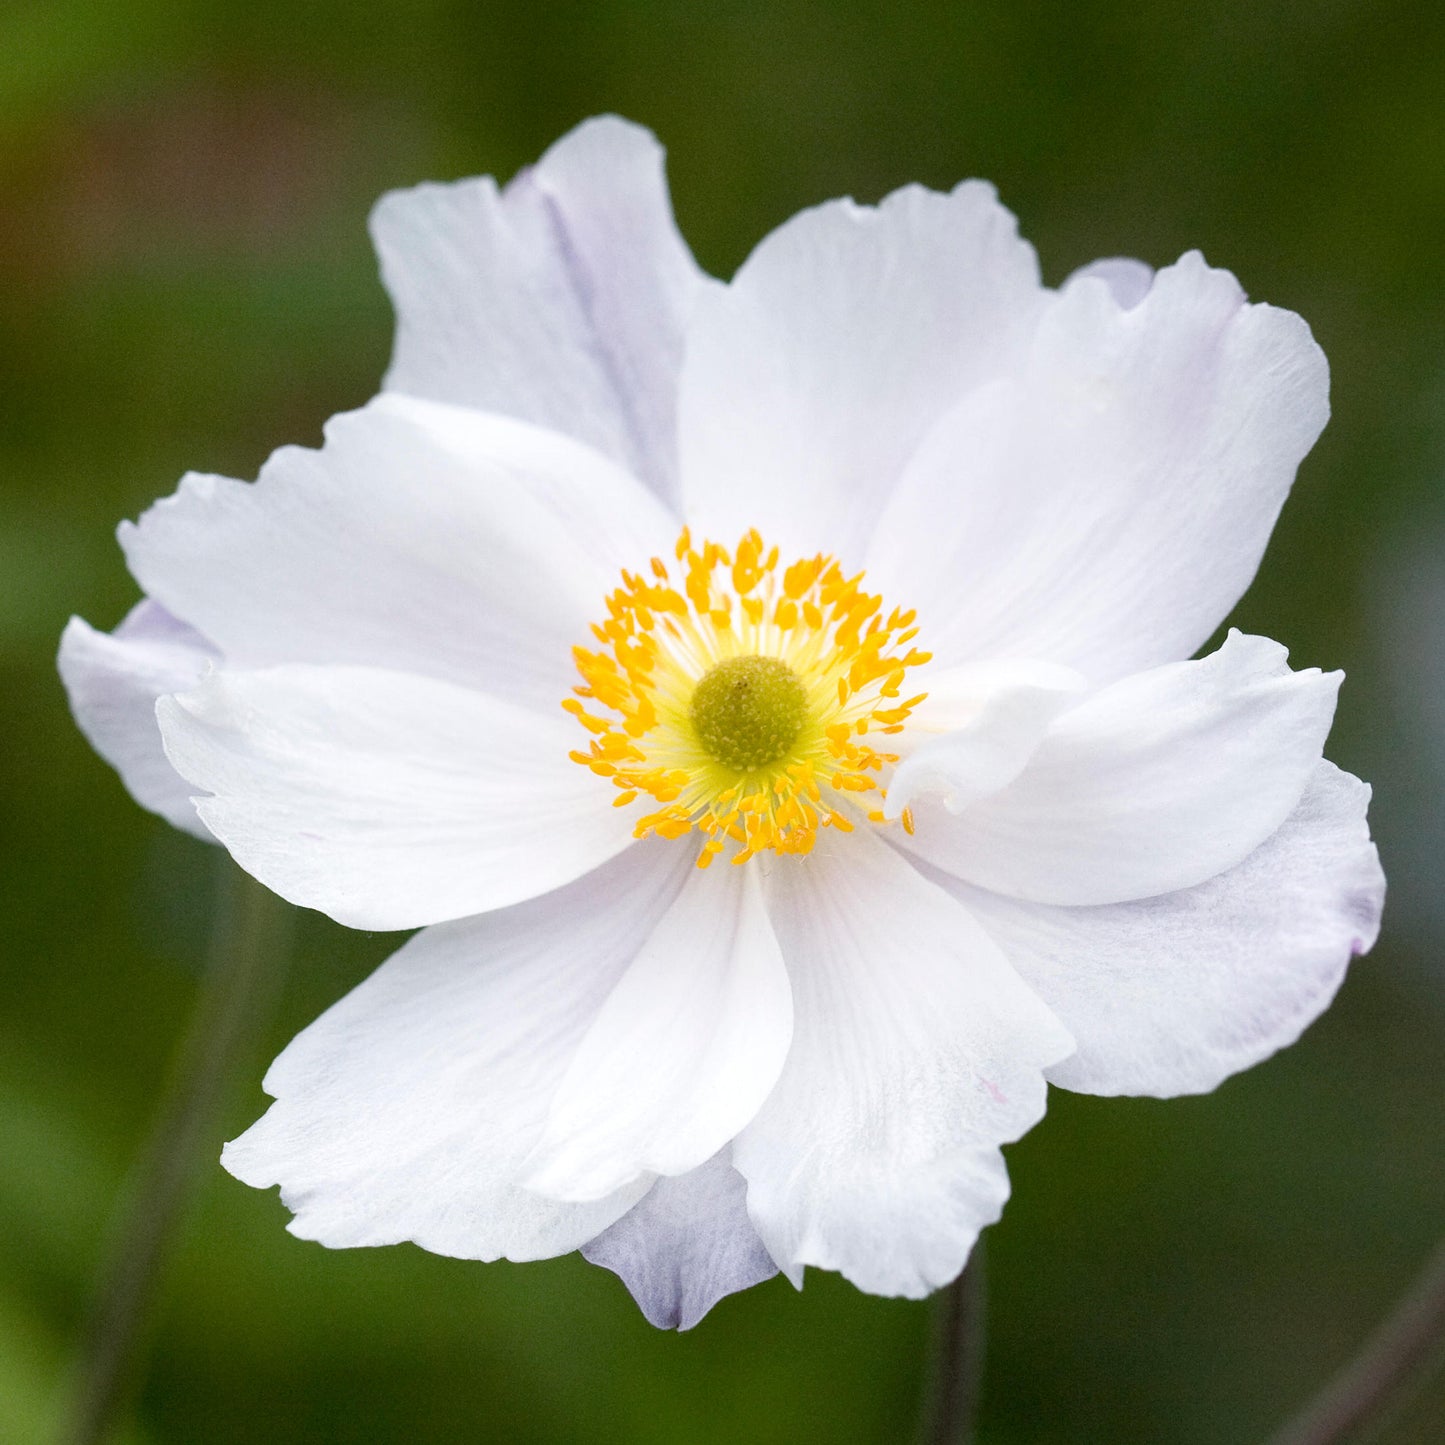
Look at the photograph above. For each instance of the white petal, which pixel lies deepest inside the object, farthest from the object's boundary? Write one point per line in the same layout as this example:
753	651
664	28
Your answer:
977	729
916	1053
1128	280
1171	995
1153	784
422	537
686	1244
1107	504
388	800
810	380
561	300
683	1052
113	681
405	1110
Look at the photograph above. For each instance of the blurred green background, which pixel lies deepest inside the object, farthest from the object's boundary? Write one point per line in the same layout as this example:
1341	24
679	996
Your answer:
185	281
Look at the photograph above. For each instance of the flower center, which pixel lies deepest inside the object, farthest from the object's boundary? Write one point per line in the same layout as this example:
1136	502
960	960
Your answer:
747	699
748	711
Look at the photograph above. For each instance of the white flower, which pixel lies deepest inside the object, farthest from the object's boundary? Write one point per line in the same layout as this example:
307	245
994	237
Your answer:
990	830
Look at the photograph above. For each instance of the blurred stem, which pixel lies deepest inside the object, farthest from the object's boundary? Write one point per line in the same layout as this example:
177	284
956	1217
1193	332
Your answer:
958	1339
1366	1385
249	940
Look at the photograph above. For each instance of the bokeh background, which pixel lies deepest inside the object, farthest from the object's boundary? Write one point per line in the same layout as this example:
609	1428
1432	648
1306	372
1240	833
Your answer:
185	281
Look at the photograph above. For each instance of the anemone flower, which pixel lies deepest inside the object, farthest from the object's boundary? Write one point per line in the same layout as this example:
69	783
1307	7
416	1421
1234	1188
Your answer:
773	703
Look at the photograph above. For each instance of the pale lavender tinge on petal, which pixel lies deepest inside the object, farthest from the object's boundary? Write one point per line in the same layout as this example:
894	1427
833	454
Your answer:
113	681
685	1245
1172	995
562	299
1128	280
1105	501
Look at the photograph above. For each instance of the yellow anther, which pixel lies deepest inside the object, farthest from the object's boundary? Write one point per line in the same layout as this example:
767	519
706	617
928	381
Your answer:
744	795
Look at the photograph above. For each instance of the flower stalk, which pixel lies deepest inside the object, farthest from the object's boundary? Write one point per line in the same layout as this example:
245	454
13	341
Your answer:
951	1404
1371	1381
249	942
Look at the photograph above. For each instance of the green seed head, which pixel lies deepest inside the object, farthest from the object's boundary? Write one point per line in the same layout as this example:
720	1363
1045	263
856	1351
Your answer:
748	711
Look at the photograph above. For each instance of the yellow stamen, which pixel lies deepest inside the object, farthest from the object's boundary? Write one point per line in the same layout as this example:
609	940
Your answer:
798	667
